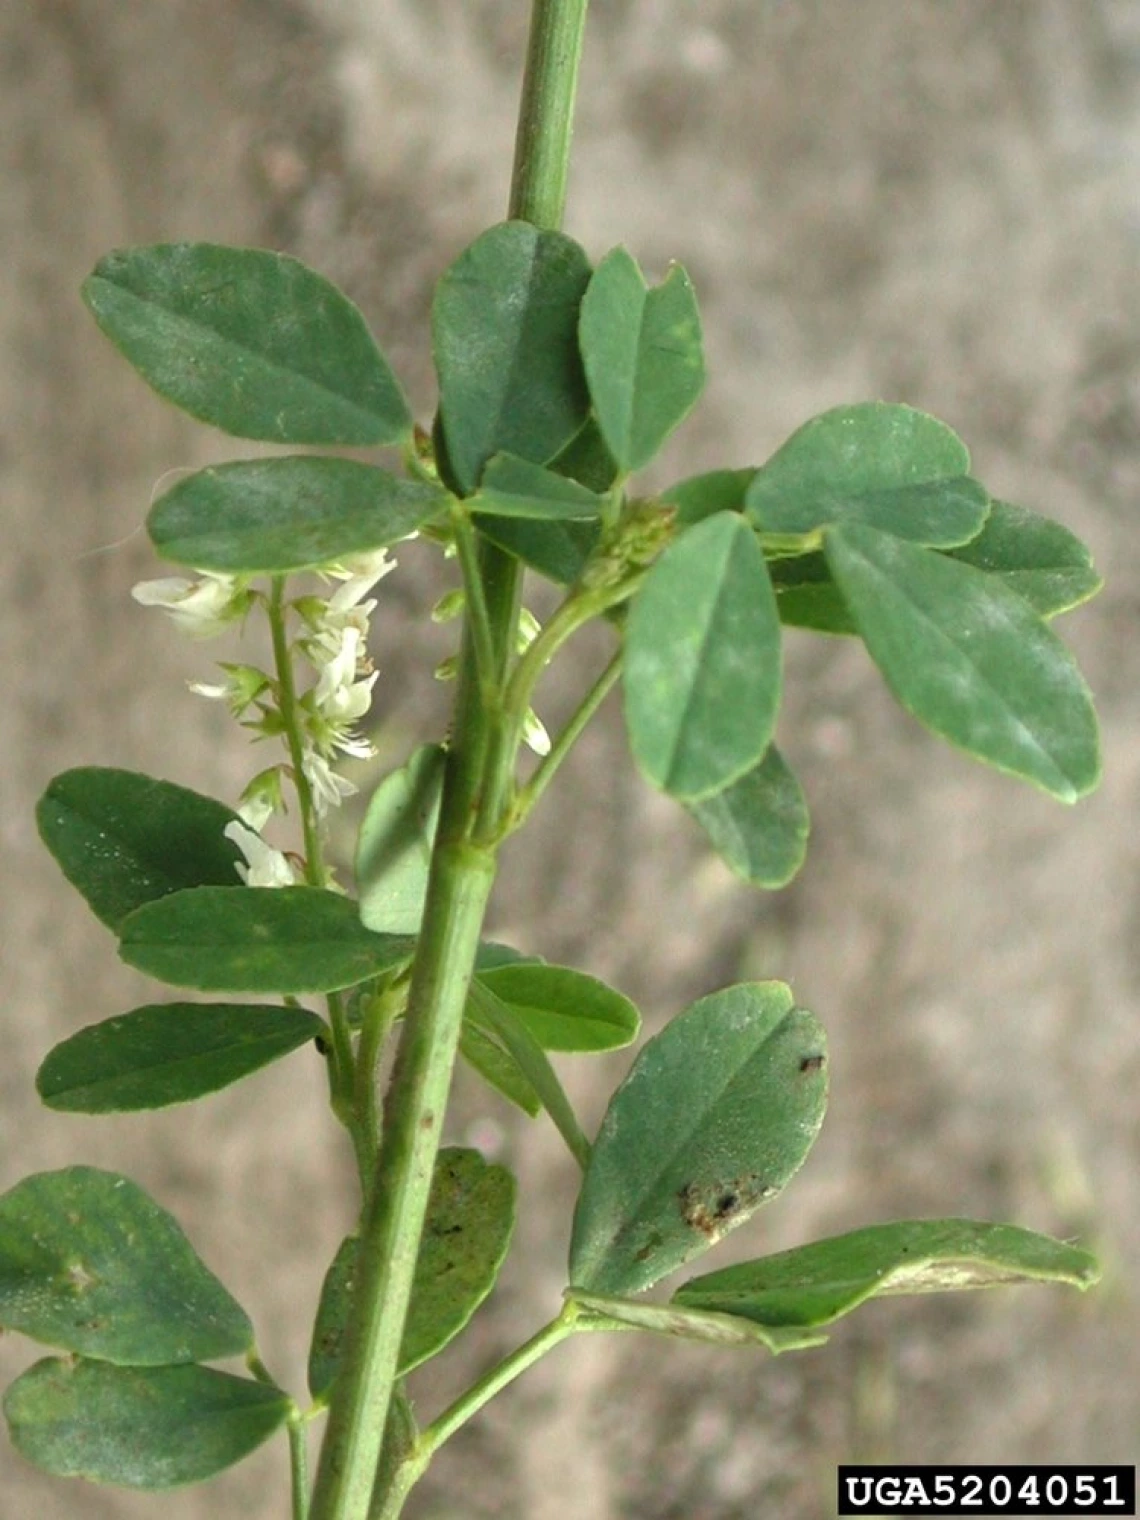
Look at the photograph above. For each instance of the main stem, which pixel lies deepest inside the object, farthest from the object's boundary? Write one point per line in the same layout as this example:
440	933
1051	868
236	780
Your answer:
459	886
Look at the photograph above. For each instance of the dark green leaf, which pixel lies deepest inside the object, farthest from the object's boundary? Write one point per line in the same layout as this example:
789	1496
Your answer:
505	336
587	460
806	595
970	659
492	954
89	1263
692	1324
564	1009
139	1427
558	550
815	1284
642	352
490	1014
393	848
258	939
717	1113
270	516
701	496
499	1069
513	487
250	341
1036	557
702	660
168	1053
759	825
890	466
470	1218
124	839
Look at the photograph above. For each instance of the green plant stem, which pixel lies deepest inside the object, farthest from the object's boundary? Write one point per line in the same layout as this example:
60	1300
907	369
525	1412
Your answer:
459	885
380	1013
299	1468
483	639
433	1436
528	795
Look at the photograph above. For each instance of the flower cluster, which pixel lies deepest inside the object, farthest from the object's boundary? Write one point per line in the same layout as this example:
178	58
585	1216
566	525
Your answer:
329	636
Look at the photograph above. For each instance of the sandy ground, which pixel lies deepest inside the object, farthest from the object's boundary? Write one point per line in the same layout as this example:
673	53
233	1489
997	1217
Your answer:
929	202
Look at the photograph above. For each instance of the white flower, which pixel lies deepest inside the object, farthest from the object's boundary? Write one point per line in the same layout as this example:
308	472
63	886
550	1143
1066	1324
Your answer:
328	789
265	866
201	608
358	575
534	733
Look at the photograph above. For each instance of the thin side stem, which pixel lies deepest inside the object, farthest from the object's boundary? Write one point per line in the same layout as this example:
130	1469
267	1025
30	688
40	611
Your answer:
528	795
287	705
299	1468
469	1403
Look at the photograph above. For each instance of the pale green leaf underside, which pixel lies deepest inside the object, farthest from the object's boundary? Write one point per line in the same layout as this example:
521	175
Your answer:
690	1324
393	848
815	1284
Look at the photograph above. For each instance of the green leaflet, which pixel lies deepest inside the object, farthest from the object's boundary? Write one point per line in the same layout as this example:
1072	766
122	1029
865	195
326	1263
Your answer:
690	1324
271	516
258	939
716	1115
250	341
393	848
139	1427
555	548
759	825
699	496
123	839
806	595
488	1014
815	1284
1036	557
504	334
499	1069
643	356
890	466
168	1053
564	1009
970	659
702	673
91	1264
470	1219
513	487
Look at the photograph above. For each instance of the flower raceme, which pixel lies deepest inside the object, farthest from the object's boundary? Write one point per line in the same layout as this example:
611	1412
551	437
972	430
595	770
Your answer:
331	641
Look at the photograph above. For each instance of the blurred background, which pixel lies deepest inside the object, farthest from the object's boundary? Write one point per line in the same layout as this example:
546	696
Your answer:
916	200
